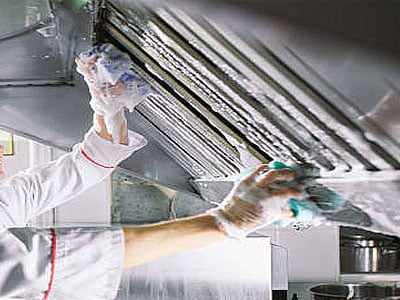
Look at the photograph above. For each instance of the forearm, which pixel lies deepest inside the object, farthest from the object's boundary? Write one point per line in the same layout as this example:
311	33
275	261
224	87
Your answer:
147	243
101	130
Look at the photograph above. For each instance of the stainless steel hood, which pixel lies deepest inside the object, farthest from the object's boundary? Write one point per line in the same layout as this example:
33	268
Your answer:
41	95
228	97
245	94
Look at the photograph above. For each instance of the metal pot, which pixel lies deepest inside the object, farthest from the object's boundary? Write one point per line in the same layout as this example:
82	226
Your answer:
364	252
352	291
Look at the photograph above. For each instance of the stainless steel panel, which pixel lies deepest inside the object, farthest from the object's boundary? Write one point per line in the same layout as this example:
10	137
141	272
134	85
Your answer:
44	99
20	16
280	268
234	270
39	46
60	115
374	193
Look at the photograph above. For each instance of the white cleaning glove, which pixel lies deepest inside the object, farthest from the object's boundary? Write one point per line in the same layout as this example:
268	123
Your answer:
112	85
259	199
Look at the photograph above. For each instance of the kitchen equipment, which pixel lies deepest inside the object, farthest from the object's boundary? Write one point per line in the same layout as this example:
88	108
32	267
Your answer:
231	269
364	252
352	291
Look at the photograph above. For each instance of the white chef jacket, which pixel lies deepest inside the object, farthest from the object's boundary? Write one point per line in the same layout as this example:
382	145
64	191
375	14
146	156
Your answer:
60	263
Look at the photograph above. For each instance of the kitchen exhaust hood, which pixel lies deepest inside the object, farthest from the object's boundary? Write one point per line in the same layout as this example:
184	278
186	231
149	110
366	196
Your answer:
245	96
225	100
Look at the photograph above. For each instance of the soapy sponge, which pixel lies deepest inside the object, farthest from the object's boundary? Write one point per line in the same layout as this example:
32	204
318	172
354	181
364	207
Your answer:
112	83
317	201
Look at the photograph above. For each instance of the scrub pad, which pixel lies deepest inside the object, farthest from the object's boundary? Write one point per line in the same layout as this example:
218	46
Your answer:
113	84
319	202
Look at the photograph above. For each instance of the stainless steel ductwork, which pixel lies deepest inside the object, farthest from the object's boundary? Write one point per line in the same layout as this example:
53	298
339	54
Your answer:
227	98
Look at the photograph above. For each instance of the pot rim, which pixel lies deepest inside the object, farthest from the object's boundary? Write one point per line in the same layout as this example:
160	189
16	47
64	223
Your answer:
348	289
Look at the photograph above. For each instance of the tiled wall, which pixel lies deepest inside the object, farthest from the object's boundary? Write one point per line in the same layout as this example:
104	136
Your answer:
136	201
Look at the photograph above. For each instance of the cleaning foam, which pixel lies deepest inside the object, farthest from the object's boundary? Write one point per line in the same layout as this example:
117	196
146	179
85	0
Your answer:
318	202
112	83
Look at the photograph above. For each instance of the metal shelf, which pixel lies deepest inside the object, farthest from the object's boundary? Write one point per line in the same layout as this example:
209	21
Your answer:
369	277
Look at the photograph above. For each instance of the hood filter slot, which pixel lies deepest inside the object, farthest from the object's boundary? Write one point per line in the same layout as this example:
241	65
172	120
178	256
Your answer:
233	104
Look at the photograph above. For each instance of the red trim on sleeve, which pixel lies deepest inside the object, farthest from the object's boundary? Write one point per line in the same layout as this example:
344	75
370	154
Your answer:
53	261
94	162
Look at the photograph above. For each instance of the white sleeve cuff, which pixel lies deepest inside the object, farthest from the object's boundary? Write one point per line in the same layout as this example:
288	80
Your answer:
108	154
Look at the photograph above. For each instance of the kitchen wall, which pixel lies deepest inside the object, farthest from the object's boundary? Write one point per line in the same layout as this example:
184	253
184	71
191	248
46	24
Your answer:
93	206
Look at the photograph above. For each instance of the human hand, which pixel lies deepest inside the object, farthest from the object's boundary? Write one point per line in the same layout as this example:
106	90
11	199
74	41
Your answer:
113	86
258	199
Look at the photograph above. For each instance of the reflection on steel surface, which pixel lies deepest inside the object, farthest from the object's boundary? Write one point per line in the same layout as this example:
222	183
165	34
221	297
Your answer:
234	270
243	94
